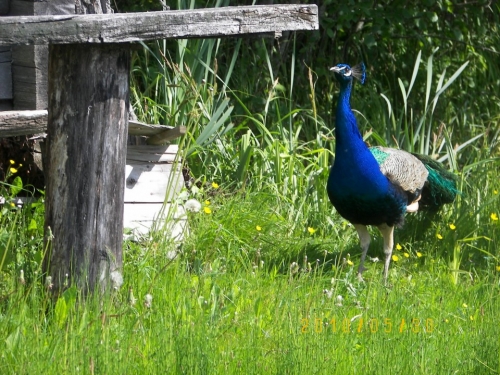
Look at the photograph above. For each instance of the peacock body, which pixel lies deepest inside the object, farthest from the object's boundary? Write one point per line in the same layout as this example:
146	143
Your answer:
377	186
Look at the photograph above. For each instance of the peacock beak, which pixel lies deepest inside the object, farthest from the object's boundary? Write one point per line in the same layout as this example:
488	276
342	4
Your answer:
336	69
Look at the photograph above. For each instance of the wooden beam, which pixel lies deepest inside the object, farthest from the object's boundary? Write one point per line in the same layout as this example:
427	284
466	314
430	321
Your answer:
85	168
14	123
133	27
166	136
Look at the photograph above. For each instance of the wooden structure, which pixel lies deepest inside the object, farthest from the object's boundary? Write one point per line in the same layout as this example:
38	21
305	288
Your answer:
88	88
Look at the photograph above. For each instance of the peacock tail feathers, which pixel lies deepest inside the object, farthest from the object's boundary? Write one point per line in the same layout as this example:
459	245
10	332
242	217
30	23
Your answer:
441	186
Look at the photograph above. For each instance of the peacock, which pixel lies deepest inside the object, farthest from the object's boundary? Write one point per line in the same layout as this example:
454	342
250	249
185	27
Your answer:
378	185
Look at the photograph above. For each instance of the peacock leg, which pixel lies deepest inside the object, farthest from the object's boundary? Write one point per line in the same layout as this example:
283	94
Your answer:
388	234
364	239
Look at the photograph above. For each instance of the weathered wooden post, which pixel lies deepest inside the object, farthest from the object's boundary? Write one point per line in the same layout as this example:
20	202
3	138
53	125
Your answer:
87	125
84	192
87	116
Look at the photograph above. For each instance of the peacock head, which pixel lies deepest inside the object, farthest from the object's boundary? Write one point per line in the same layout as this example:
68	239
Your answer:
344	73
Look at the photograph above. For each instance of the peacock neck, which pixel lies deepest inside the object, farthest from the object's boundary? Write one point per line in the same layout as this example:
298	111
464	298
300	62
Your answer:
346	128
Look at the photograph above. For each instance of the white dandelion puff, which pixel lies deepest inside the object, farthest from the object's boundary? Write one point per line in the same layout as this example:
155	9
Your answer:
116	280
192	205
148	300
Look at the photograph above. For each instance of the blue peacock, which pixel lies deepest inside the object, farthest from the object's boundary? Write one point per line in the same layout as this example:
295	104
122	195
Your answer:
378	185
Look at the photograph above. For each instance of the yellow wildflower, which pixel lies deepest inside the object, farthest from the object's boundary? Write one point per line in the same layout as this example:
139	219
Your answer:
439	237
498	268
495	192
215	185
452	226
406	255
494	216
207	210
258	227
471	317
464	305
399	247
207	203
349	262
311	230
419	254
13	170
12	162
395	258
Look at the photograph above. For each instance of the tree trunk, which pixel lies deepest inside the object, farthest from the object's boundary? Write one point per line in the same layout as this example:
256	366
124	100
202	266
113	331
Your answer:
86	145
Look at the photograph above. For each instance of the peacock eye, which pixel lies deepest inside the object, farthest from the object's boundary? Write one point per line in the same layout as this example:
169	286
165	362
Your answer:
348	72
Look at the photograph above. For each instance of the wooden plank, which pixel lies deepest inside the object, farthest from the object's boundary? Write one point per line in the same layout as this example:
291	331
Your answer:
142	217
14	123
167	135
134	27
153	183
153	154
140	128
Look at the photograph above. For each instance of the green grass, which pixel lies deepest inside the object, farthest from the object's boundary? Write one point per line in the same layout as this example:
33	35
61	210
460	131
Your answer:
233	301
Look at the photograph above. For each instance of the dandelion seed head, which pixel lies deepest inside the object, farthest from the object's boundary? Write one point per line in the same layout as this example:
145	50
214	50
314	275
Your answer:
48	282
148	300
328	293
116	279
192	205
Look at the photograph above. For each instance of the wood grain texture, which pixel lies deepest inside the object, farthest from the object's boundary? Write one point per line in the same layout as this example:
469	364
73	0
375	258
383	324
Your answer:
85	169
133	27
14	123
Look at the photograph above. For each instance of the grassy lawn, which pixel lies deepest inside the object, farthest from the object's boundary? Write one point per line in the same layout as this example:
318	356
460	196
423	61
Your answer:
246	295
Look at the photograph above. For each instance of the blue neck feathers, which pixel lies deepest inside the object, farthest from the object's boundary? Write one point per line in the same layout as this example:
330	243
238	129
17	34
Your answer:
355	168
